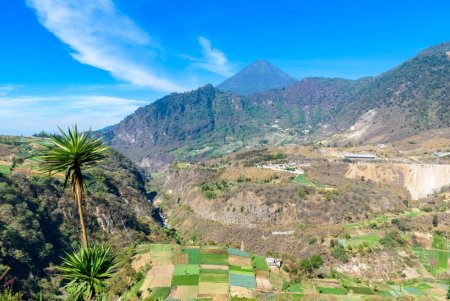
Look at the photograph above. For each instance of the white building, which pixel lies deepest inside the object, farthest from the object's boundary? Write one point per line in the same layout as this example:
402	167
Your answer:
274	262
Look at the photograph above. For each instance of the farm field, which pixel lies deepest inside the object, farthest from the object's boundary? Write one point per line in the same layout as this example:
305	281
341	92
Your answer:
435	260
177	273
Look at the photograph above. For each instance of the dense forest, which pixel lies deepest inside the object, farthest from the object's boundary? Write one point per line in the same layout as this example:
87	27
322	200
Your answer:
39	220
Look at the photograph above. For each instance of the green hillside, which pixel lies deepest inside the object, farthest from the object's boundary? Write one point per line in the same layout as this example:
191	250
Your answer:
38	222
409	99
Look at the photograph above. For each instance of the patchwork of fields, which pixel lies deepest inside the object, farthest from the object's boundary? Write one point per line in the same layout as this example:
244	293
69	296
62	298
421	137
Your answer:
177	273
207	273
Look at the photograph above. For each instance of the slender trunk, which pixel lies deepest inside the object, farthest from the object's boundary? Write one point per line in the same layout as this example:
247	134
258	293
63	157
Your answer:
77	190
7	269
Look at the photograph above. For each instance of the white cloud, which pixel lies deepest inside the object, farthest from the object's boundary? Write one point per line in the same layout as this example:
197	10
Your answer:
28	115
6	89
102	37
213	60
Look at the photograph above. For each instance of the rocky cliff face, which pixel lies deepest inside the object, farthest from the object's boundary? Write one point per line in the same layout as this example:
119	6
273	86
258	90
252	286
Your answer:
420	179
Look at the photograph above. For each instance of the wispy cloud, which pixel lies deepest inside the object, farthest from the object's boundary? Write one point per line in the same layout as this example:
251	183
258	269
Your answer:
103	37
28	114
6	89
213	60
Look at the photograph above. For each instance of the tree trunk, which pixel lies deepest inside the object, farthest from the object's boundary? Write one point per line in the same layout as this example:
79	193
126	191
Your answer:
77	191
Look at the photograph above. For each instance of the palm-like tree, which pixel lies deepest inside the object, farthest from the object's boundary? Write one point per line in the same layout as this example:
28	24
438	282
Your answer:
70	153
88	271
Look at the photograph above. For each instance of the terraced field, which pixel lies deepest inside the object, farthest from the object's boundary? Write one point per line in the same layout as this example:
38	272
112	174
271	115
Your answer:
210	273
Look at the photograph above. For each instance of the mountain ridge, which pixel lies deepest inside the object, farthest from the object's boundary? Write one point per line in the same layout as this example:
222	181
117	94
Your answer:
408	99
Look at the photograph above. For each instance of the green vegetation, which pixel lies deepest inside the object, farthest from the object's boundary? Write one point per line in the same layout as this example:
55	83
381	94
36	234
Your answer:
247	281
295	288
367	240
301	180
6	294
392	239
331	290
435	260
159	293
5	169
260	263
88	271
193	255
188	280
237	252
340	253
38	220
215	189
215	276
311	264
187	269
435	221
216	259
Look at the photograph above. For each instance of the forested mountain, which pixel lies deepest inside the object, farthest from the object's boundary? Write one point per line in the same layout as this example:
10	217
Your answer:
410	98
39	219
260	76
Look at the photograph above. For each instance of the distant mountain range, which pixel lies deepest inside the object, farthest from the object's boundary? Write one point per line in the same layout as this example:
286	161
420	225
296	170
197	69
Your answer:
404	101
260	76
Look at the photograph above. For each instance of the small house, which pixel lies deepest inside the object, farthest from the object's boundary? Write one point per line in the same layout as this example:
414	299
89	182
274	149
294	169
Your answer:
274	262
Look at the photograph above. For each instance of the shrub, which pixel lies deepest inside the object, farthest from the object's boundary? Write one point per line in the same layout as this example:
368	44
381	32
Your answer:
210	194
333	243
435	221
392	239
316	261
340	253
400	224
312	240
311	264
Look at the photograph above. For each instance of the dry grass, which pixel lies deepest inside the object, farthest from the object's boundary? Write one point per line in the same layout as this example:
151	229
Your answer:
209	288
184	293
237	291
140	261
253	173
180	259
262	280
423	240
216	251
162	257
214	267
158	276
239	261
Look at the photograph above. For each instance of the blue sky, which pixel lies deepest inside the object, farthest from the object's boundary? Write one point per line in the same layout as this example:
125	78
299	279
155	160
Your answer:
93	62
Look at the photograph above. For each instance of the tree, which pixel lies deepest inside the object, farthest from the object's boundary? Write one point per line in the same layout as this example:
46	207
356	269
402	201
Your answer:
435	221
88	271
306	265
311	264
70	153
316	261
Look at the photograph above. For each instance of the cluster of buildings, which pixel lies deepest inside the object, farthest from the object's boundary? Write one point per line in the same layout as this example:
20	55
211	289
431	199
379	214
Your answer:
353	156
292	167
